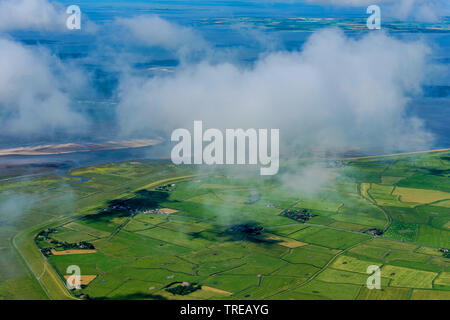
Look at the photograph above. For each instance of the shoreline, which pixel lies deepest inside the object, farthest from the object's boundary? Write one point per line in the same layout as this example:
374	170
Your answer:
397	154
57	149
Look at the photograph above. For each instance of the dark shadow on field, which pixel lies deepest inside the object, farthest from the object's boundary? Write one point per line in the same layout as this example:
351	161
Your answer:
141	201
438	172
249	231
132	296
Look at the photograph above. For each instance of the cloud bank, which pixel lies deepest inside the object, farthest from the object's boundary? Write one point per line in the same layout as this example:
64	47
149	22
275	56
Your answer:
34	93
154	31
31	15
337	93
38	15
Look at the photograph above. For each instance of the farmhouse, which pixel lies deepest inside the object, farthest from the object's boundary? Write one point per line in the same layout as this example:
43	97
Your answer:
164	211
302	215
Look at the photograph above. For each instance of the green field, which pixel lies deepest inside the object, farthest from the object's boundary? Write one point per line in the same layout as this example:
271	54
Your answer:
227	231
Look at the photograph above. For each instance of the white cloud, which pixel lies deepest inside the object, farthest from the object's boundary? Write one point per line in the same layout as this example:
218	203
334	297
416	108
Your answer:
153	31
34	98
307	180
31	15
337	93
38	15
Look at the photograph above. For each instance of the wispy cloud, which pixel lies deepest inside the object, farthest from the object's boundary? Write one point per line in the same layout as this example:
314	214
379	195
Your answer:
31	15
337	92
37	15
154	31
34	92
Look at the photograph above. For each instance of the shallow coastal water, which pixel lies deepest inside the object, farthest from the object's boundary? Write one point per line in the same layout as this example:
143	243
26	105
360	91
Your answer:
65	162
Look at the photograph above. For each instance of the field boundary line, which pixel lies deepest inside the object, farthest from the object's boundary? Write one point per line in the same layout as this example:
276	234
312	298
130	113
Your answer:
54	276
319	271
13	242
374	203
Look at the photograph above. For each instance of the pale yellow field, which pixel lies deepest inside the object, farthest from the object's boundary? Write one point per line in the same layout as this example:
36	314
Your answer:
430	295
387	293
167	210
84	280
216	290
420	195
352	264
409	278
293	244
364	189
443	279
430	251
66	252
286	242
161	211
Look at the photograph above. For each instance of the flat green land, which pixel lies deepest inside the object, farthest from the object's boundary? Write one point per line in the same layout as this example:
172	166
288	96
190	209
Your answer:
226	231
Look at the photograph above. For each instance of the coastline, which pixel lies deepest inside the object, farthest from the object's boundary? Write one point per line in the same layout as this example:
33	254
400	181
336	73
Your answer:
43	150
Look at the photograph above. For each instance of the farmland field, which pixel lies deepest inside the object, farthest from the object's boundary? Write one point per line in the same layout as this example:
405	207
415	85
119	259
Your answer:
149	230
